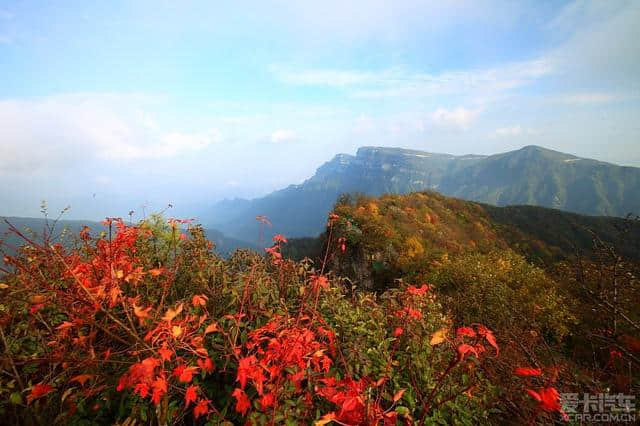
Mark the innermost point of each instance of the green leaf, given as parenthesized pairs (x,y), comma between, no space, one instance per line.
(16,398)
(403,411)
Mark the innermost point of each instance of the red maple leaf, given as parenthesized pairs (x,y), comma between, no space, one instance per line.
(464,350)
(488,335)
(527,371)
(165,354)
(415,291)
(201,408)
(142,389)
(267,400)
(159,387)
(465,331)
(199,300)
(549,399)
(246,367)
(191,394)
(242,404)
(206,364)
(38,391)
(187,374)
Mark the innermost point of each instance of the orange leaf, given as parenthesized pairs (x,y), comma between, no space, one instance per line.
(176,331)
(199,300)
(211,328)
(64,325)
(398,395)
(82,378)
(327,418)
(155,272)
(439,336)
(469,391)
(141,313)
(171,314)
(39,298)
(114,293)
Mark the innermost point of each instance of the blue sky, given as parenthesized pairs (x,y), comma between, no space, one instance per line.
(110,105)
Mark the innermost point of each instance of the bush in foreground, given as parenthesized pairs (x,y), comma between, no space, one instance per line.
(145,324)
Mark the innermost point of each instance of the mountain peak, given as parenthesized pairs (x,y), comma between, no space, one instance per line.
(530,175)
(536,149)
(367,151)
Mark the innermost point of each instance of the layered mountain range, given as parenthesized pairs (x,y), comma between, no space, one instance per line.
(529,176)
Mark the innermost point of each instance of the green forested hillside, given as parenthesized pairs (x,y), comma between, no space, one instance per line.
(448,225)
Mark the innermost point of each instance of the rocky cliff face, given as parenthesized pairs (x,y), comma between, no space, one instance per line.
(531,175)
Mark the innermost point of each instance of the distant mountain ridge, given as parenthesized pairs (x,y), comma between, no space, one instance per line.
(529,176)
(223,245)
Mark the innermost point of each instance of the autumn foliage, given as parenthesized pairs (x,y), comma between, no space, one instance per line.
(145,323)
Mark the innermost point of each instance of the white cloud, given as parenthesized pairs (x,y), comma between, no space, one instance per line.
(103,180)
(323,77)
(458,117)
(586,98)
(60,131)
(602,46)
(282,135)
(364,124)
(160,146)
(397,82)
(514,131)
(509,131)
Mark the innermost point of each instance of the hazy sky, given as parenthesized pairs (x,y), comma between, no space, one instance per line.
(106,105)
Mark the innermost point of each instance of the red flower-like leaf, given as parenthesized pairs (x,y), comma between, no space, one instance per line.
(465,331)
(279,239)
(527,371)
(191,394)
(489,337)
(464,350)
(38,391)
(242,402)
(201,408)
(206,364)
(549,399)
(415,291)
(267,400)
